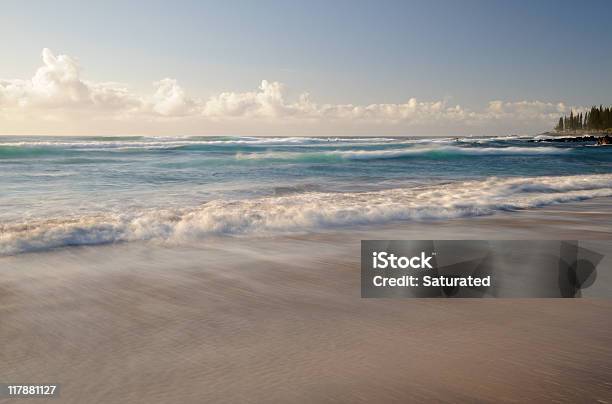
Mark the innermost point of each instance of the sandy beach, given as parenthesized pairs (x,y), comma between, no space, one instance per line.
(280,319)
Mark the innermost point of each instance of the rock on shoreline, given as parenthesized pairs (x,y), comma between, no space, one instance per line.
(604,140)
(599,140)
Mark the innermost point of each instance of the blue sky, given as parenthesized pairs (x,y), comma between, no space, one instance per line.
(465,53)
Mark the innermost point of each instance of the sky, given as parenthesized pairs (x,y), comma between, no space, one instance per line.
(300,67)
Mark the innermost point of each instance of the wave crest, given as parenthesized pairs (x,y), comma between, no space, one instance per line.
(429,151)
(307,211)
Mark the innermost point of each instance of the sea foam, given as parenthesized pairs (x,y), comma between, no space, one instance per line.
(415,151)
(173,142)
(308,211)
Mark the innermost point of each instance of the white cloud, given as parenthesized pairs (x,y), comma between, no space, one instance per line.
(170,99)
(58,93)
(526,110)
(57,84)
(267,102)
(270,102)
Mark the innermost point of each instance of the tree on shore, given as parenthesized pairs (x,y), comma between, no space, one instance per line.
(597,118)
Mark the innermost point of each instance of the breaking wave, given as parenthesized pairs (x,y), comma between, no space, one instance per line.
(174,142)
(306,211)
(428,151)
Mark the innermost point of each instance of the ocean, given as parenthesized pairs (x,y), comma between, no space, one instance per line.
(67,191)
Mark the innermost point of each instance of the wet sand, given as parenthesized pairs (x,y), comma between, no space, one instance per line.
(280,319)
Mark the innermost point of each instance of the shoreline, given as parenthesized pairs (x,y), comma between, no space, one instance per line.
(575,133)
(281,319)
(308,213)
(599,138)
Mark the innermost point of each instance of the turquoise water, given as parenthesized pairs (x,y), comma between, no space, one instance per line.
(86,190)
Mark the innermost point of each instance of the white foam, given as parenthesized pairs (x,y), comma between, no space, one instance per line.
(305,212)
(467,151)
(406,152)
(161,143)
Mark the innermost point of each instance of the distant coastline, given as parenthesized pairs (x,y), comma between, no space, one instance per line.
(578,132)
(599,138)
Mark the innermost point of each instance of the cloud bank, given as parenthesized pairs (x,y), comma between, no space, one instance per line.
(59,99)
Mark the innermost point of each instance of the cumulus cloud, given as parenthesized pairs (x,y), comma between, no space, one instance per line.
(267,102)
(411,111)
(58,84)
(170,99)
(58,92)
(526,110)
(270,102)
